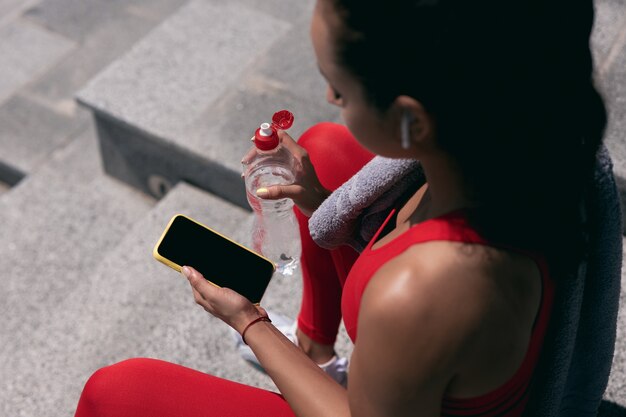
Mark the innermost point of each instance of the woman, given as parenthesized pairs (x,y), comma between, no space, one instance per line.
(448,304)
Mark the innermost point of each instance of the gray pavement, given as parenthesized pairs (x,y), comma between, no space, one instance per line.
(84,240)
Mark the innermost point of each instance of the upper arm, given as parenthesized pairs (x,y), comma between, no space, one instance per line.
(412,328)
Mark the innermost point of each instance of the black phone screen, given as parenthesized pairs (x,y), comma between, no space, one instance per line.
(218,259)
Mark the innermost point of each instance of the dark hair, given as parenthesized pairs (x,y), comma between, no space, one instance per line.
(510,86)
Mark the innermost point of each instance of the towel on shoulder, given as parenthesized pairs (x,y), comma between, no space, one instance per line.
(353,213)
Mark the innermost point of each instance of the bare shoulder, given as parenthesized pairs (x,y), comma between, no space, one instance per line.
(446,284)
(439,305)
(414,321)
(465,278)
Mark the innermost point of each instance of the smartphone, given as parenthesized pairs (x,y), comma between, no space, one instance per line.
(220,260)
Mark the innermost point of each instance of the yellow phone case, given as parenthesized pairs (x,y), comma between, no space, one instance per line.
(178,268)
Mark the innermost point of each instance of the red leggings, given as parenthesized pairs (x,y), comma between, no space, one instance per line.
(149,387)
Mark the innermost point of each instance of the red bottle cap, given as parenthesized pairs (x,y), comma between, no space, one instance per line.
(282,119)
(266,136)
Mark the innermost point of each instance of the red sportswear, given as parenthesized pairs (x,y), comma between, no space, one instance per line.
(510,398)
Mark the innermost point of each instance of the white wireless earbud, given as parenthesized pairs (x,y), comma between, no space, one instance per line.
(405,133)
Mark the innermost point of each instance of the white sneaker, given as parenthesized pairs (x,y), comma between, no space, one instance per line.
(336,367)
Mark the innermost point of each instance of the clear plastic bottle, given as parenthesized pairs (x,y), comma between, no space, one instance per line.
(275,232)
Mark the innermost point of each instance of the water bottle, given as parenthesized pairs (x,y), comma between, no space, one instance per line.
(275,232)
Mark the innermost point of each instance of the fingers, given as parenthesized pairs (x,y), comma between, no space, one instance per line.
(205,294)
(195,278)
(223,303)
(249,155)
(198,298)
(277,192)
(289,143)
(201,288)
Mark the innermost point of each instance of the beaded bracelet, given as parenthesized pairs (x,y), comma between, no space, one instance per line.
(258,319)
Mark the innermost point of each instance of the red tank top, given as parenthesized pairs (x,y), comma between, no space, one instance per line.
(509,399)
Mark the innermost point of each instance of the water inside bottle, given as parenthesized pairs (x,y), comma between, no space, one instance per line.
(280,240)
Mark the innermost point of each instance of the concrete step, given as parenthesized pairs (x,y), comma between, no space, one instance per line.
(609,20)
(616,390)
(57,225)
(132,305)
(101,30)
(4,187)
(609,47)
(28,132)
(27,51)
(11,9)
(50,49)
(183,103)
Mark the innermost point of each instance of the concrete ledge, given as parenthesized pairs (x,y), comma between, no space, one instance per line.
(147,103)
(166,81)
(155,165)
(10,175)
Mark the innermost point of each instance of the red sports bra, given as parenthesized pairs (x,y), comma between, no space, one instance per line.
(509,399)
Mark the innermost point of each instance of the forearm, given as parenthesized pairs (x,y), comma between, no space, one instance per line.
(307,388)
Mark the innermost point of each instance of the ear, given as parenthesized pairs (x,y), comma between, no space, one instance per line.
(421,123)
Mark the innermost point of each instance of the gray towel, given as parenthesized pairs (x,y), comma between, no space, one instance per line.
(353,213)
(574,367)
(573,370)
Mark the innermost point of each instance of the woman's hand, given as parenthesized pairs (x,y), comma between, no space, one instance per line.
(231,307)
(306,192)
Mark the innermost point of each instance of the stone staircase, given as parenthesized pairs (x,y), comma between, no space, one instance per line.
(171,91)
(181,104)
(54,234)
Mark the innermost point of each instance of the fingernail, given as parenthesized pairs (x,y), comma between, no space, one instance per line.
(186,271)
(262,192)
